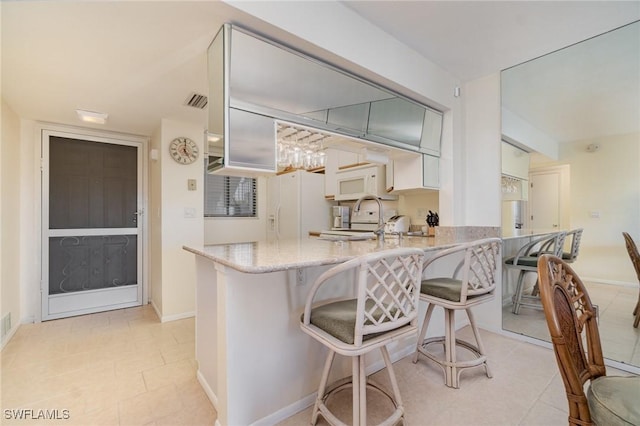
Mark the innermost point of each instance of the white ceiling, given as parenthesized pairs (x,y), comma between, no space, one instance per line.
(138,61)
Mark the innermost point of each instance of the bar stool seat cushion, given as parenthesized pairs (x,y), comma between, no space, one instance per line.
(443,288)
(614,400)
(565,255)
(339,319)
(530,261)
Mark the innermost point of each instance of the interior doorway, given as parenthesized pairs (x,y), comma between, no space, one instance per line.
(91,224)
(549,193)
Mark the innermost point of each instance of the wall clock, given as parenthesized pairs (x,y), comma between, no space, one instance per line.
(183,150)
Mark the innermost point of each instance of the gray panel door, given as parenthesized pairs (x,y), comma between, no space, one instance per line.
(90,225)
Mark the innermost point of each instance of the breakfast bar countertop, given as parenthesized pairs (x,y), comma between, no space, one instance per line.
(258,257)
(526,232)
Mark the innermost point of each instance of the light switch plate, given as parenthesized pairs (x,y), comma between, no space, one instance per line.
(191,184)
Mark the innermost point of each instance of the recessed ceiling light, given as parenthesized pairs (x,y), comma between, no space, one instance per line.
(92,116)
(211,137)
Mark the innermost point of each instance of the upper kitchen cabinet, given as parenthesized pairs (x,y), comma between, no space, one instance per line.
(268,81)
(416,171)
(396,121)
(515,162)
(242,142)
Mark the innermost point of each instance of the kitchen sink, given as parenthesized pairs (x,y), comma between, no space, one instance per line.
(347,235)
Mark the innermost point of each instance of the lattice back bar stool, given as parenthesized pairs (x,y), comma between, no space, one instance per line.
(526,260)
(573,239)
(384,310)
(473,282)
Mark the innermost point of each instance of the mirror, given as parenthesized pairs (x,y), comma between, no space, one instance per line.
(267,80)
(577,112)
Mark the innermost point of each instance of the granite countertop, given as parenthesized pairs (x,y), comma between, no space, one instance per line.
(269,256)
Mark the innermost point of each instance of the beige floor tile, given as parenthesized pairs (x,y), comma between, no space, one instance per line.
(138,363)
(126,368)
(179,352)
(175,373)
(150,406)
(542,414)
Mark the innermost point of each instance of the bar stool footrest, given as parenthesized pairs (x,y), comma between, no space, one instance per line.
(346,383)
(478,361)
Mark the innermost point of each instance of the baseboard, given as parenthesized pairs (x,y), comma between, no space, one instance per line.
(286,412)
(175,317)
(157,311)
(301,404)
(207,390)
(8,336)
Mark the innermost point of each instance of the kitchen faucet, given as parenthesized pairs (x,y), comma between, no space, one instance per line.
(356,208)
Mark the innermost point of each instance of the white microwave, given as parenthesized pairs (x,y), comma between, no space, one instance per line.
(356,182)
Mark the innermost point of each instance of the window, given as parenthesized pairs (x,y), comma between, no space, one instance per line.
(229,196)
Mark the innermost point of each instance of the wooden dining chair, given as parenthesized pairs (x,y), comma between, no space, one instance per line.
(571,320)
(632,249)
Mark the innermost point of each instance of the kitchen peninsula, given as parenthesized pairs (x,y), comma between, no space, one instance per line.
(254,363)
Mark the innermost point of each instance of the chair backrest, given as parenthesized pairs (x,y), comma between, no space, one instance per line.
(575,235)
(478,267)
(388,289)
(632,249)
(552,244)
(571,319)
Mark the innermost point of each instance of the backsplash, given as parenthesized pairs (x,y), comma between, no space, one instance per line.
(466,232)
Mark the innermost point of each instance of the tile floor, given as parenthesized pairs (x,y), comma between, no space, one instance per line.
(620,341)
(121,367)
(126,368)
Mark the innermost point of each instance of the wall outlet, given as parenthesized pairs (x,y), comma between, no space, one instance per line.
(594,214)
(189,212)
(300,276)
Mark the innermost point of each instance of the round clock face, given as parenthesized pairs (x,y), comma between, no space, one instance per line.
(183,150)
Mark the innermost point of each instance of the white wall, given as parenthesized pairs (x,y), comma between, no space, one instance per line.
(605,181)
(482,149)
(481,171)
(30,222)
(10,219)
(155,222)
(520,132)
(413,204)
(177,265)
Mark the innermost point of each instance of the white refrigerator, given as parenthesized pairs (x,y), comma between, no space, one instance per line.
(296,205)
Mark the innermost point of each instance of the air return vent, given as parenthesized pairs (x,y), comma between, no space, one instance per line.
(196,100)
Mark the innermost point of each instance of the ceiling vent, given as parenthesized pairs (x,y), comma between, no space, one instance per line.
(196,100)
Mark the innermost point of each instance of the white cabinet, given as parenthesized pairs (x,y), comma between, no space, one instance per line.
(515,162)
(419,171)
(431,132)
